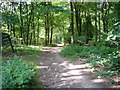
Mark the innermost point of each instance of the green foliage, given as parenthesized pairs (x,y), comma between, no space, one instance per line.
(109,72)
(112,81)
(74,51)
(99,56)
(80,39)
(16,73)
(27,50)
(71,59)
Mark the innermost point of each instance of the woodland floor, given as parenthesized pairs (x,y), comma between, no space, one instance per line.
(59,72)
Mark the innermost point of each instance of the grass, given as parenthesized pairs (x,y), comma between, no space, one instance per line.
(71,59)
(27,50)
(30,54)
(102,57)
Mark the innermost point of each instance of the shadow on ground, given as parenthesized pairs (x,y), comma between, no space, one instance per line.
(58,72)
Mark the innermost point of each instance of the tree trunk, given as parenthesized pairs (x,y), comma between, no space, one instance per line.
(14,31)
(104,17)
(51,34)
(76,15)
(72,23)
(80,23)
(28,25)
(99,27)
(46,42)
(31,39)
(33,25)
(47,27)
(21,23)
(38,31)
(78,19)
(51,28)
(96,30)
(87,29)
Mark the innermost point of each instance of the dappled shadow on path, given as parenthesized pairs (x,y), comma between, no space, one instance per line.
(58,72)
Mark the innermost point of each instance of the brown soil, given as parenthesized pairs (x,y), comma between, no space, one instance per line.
(59,72)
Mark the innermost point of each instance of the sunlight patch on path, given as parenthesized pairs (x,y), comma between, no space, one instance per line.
(60,73)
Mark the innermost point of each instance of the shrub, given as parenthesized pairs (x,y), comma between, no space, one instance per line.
(16,73)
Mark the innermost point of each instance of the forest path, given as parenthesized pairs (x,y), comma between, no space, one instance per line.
(58,72)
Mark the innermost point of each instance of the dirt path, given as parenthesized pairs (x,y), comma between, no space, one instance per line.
(58,72)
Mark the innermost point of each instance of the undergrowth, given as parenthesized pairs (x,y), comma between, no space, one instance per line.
(99,56)
(16,73)
(23,60)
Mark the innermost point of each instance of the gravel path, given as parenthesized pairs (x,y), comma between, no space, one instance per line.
(58,72)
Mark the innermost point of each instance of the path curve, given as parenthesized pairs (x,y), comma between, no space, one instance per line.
(58,72)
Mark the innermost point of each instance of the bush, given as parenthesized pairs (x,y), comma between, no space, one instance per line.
(16,73)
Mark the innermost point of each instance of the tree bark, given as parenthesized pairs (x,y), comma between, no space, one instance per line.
(28,25)
(46,31)
(51,34)
(78,19)
(21,23)
(72,23)
(99,27)
(96,29)
(38,30)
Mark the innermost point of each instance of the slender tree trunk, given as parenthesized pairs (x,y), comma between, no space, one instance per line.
(32,24)
(21,23)
(99,27)
(8,27)
(31,39)
(80,23)
(51,28)
(64,36)
(51,34)
(13,27)
(14,31)
(96,30)
(103,19)
(87,29)
(47,26)
(28,25)
(46,31)
(72,23)
(78,19)
(38,31)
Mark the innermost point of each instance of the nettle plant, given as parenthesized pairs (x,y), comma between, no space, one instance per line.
(16,73)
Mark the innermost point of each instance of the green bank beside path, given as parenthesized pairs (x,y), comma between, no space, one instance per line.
(19,69)
(103,60)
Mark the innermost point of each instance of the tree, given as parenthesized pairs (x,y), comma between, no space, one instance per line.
(72,23)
